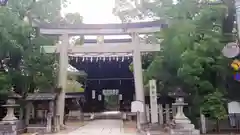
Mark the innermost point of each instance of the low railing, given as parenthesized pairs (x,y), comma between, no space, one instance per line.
(230,124)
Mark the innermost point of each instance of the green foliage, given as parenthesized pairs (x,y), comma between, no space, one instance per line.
(190,54)
(27,68)
(131,67)
(213,105)
(4,83)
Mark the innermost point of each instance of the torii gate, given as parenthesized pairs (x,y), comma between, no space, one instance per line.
(135,47)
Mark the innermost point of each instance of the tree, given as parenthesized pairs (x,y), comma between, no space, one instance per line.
(13,35)
(27,68)
(190,55)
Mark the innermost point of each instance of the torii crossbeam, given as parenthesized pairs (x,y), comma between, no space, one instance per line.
(103,48)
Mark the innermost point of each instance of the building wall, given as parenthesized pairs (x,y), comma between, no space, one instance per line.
(105,75)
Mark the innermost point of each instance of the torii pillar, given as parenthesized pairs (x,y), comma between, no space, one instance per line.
(62,77)
(138,75)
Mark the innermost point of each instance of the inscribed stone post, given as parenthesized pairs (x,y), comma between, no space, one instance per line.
(153,101)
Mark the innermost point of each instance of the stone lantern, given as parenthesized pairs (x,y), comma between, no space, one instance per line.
(11,105)
(182,123)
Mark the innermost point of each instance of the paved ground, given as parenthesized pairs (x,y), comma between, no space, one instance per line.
(101,127)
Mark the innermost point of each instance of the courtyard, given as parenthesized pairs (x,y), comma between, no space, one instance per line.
(101,127)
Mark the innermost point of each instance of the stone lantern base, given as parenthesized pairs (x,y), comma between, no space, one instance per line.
(184,132)
(183,126)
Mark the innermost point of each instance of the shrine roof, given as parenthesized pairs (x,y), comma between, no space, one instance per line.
(73,71)
(41,96)
(74,95)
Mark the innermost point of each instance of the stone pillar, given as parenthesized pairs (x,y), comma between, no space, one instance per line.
(27,115)
(160,112)
(51,108)
(153,101)
(138,76)
(50,116)
(174,110)
(148,113)
(167,111)
(63,65)
(203,124)
(56,121)
(49,123)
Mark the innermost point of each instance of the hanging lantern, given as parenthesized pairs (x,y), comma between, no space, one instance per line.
(231,50)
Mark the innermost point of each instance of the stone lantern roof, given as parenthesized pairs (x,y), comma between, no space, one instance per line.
(12,95)
(177,93)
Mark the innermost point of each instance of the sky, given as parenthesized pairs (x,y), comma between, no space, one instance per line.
(94,11)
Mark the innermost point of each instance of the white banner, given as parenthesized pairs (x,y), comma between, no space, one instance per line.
(153,101)
(107,92)
(100,97)
(120,96)
(93,94)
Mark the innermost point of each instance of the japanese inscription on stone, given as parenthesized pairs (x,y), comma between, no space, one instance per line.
(153,101)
